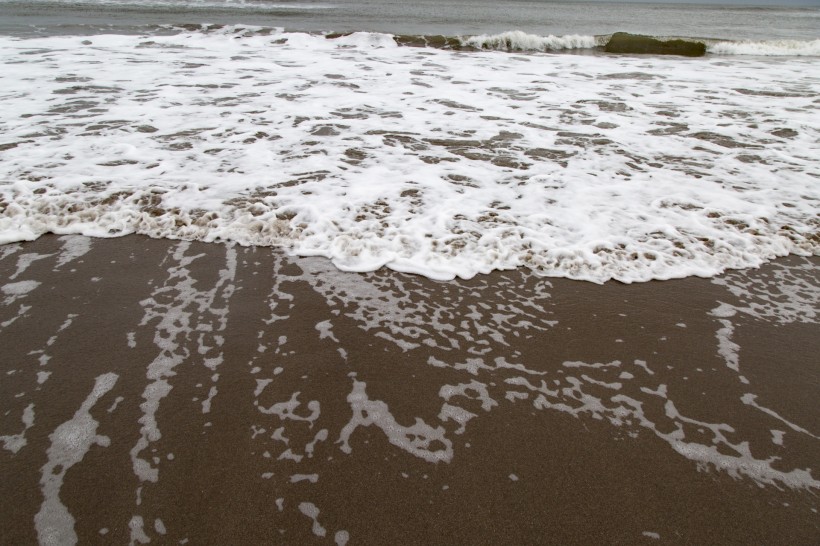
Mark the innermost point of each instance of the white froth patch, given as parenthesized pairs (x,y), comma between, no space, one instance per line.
(479,392)
(25,261)
(325,329)
(312,478)
(724,310)
(728,349)
(389,309)
(320,436)
(182,315)
(419,439)
(287,410)
(309,509)
(593,365)
(73,247)
(651,534)
(206,404)
(512,396)
(341,537)
(598,399)
(7,250)
(69,444)
(137,526)
(789,294)
(457,414)
(449,165)
(16,442)
(260,386)
(116,404)
(751,400)
(19,289)
(20,312)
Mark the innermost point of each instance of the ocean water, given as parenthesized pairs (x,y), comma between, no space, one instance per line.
(441,138)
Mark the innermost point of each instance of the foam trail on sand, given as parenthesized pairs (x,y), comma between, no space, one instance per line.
(16,442)
(415,439)
(181,314)
(309,509)
(73,247)
(15,290)
(69,444)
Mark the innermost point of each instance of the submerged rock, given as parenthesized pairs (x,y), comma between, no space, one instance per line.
(623,42)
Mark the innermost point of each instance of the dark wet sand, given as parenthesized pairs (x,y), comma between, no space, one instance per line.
(590,456)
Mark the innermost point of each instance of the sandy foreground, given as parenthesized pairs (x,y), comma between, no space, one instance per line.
(172,392)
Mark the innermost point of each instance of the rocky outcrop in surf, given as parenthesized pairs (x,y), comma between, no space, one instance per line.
(623,42)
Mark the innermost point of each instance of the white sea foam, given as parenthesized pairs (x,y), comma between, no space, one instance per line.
(423,160)
(287,410)
(516,40)
(184,317)
(69,444)
(296,478)
(8,250)
(309,509)
(73,247)
(751,400)
(18,289)
(769,48)
(16,442)
(788,294)
(341,537)
(419,439)
(24,261)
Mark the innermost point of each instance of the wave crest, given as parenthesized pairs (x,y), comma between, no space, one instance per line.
(516,40)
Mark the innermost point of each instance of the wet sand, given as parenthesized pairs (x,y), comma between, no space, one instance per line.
(173,392)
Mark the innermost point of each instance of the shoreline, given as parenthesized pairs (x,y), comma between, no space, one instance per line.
(169,391)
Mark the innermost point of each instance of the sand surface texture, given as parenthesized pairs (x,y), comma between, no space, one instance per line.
(189,393)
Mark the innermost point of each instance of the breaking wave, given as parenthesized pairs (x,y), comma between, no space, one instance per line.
(769,48)
(521,41)
(518,41)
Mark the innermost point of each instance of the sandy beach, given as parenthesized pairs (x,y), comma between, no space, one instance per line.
(188,393)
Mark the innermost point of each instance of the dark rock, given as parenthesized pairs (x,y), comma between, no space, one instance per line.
(623,42)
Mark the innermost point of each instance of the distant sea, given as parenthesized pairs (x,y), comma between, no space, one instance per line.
(445,138)
(419,17)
